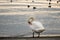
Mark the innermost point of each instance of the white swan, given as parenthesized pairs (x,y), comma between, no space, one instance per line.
(36,26)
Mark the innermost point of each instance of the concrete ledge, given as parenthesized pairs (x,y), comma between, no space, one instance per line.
(42,36)
(26,37)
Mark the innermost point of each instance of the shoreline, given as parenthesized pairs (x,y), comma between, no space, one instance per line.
(47,35)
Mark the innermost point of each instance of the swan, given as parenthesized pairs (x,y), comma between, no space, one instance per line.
(36,26)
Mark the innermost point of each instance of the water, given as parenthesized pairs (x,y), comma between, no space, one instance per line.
(27,9)
(17,24)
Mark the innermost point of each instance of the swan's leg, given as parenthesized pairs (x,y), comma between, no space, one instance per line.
(38,34)
(33,34)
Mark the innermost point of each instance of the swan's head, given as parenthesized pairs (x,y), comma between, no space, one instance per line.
(31,19)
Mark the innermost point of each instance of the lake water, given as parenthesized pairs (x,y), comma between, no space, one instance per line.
(11,25)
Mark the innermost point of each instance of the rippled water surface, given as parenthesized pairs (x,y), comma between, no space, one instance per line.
(17,24)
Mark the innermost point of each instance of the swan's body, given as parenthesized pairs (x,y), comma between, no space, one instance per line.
(36,26)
